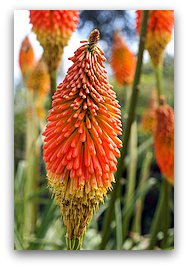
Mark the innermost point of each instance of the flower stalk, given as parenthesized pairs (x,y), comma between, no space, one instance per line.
(74,244)
(158,74)
(166,214)
(32,167)
(53,82)
(155,227)
(131,180)
(140,201)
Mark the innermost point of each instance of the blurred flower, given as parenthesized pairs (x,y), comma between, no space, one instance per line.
(27,59)
(39,80)
(148,120)
(81,138)
(53,29)
(40,108)
(36,78)
(164,140)
(123,61)
(159,32)
(39,84)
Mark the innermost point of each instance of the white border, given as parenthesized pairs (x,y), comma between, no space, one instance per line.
(98,258)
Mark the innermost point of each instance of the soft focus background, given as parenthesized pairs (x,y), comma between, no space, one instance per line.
(88,21)
(50,232)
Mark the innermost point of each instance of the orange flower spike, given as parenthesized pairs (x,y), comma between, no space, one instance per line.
(26,58)
(81,138)
(123,61)
(164,140)
(53,29)
(159,32)
(148,120)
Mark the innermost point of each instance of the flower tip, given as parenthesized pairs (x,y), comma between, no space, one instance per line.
(94,36)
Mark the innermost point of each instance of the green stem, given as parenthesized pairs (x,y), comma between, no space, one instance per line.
(132,167)
(53,82)
(32,167)
(139,203)
(157,217)
(109,215)
(158,74)
(128,95)
(74,244)
(118,218)
(166,213)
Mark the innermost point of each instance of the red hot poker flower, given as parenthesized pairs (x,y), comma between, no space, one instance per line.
(53,29)
(159,32)
(164,140)
(81,138)
(123,61)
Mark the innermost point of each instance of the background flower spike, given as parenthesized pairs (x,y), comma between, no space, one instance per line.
(53,28)
(159,32)
(123,61)
(164,140)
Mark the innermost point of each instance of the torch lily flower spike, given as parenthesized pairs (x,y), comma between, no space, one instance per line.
(164,140)
(81,139)
(123,61)
(53,28)
(159,32)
